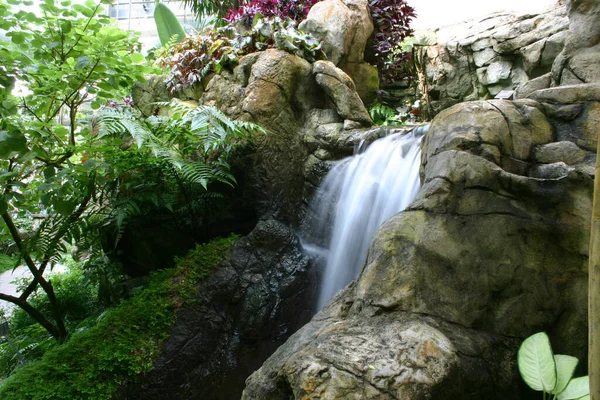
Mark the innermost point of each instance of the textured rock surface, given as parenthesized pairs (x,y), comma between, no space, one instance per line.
(239,316)
(340,89)
(344,26)
(280,92)
(493,249)
(579,62)
(477,59)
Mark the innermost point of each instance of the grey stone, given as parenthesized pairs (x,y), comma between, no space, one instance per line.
(484,56)
(344,27)
(566,152)
(579,61)
(341,91)
(541,82)
(239,315)
(497,71)
(569,94)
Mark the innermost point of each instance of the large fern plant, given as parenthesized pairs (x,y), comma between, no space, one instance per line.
(169,163)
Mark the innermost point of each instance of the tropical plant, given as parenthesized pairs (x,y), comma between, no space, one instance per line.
(63,58)
(208,7)
(167,24)
(167,162)
(119,344)
(196,57)
(550,373)
(391,19)
(78,301)
(382,114)
(295,10)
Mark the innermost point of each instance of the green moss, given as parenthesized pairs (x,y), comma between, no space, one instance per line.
(122,344)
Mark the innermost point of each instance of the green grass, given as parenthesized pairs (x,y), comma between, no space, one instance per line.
(122,344)
(7,262)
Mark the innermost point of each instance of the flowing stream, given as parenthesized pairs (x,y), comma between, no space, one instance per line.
(355,198)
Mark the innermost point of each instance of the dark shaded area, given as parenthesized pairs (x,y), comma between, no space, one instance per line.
(261,294)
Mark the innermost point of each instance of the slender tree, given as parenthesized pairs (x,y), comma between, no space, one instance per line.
(62,57)
(594,290)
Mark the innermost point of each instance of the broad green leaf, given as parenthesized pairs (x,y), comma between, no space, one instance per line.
(586,397)
(536,363)
(137,57)
(577,388)
(167,24)
(565,366)
(17,37)
(11,143)
(64,207)
(66,26)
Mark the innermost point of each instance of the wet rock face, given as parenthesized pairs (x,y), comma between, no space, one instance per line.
(493,249)
(256,299)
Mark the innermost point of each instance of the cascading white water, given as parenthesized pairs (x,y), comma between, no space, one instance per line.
(356,197)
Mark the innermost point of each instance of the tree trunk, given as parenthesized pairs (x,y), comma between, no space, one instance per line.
(594,289)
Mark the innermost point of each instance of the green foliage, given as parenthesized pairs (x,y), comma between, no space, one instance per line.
(63,56)
(170,163)
(167,24)
(199,263)
(207,7)
(382,114)
(8,262)
(196,57)
(122,343)
(552,374)
(78,300)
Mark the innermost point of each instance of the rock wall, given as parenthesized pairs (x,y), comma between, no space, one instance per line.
(477,59)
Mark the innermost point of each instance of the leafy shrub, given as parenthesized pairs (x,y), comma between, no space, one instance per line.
(295,10)
(382,114)
(121,344)
(391,19)
(196,57)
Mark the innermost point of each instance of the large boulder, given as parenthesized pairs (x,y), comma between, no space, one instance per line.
(280,92)
(493,249)
(341,91)
(344,27)
(273,89)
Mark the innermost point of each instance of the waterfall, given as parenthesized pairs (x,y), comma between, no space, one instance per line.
(355,198)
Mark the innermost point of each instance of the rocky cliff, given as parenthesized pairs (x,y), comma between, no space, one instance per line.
(477,59)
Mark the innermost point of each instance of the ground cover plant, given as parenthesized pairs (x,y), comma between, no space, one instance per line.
(122,342)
